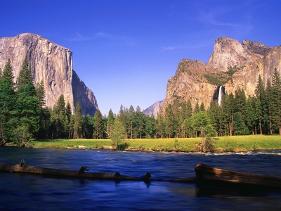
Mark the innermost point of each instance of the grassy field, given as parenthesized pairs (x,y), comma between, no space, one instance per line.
(221,144)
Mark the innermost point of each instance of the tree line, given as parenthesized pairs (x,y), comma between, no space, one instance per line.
(24,116)
(21,106)
(237,114)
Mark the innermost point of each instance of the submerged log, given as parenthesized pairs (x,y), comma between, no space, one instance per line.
(80,174)
(223,179)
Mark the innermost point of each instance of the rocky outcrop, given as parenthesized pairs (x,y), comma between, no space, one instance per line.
(250,59)
(153,110)
(50,64)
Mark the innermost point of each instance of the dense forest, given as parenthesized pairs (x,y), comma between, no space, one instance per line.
(23,115)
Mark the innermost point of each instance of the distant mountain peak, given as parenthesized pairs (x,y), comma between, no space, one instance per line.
(154,109)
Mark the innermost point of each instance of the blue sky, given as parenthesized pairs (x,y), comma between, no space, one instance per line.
(126,50)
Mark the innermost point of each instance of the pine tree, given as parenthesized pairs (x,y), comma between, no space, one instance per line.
(60,119)
(77,122)
(131,122)
(110,122)
(123,117)
(139,123)
(240,127)
(201,124)
(217,119)
(45,116)
(179,111)
(239,112)
(239,101)
(263,105)
(269,106)
(40,92)
(170,122)
(118,133)
(251,115)
(276,101)
(28,107)
(161,126)
(98,125)
(8,118)
(187,129)
(228,111)
(87,127)
(150,127)
(69,126)
(45,124)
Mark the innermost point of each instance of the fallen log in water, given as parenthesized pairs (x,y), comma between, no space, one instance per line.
(83,174)
(223,179)
(206,176)
(80,174)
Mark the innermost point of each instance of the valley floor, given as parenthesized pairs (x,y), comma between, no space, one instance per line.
(221,144)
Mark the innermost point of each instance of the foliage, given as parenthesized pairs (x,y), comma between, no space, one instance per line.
(24,117)
(205,145)
(77,122)
(240,127)
(8,118)
(44,113)
(201,124)
(275,101)
(23,136)
(27,106)
(110,122)
(98,127)
(118,133)
(59,119)
(87,126)
(221,78)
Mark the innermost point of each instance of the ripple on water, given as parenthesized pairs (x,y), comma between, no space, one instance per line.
(31,192)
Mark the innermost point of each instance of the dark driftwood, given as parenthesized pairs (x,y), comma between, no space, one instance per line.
(83,174)
(26,169)
(224,179)
(206,176)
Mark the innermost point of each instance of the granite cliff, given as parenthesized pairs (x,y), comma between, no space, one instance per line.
(232,64)
(50,64)
(153,110)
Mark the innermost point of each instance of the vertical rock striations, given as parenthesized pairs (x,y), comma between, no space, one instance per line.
(50,64)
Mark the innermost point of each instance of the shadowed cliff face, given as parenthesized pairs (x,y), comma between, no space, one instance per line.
(251,59)
(51,64)
(83,95)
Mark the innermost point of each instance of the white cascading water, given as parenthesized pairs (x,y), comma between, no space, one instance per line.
(220,95)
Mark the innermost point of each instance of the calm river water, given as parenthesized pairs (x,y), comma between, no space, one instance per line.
(41,193)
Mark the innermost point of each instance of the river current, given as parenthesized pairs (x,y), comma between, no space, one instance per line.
(26,192)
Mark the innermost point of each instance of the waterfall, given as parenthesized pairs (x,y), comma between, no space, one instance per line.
(220,95)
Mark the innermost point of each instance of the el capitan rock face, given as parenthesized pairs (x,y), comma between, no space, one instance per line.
(251,59)
(51,64)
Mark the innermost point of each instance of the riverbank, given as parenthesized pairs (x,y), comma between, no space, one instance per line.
(221,144)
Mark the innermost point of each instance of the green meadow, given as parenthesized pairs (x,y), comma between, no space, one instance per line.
(221,144)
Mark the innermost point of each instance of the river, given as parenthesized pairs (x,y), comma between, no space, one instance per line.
(28,192)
